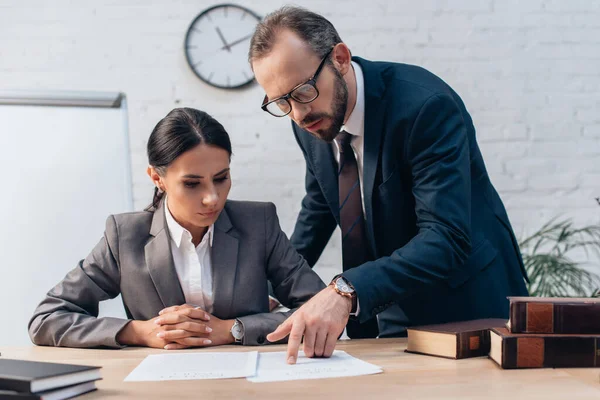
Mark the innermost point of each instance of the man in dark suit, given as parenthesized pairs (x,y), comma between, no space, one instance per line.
(391,157)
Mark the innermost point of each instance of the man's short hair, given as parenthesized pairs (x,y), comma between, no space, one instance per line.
(312,28)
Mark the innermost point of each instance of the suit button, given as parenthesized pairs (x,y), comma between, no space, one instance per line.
(260,339)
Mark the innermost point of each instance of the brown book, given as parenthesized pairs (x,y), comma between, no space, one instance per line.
(554,315)
(523,350)
(454,339)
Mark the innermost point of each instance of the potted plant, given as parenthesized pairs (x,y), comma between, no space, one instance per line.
(551,269)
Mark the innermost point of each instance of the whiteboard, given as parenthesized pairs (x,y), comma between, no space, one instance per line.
(66,167)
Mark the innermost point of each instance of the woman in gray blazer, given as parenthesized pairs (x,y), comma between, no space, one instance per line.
(192,269)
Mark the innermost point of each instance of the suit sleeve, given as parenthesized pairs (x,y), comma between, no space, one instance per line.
(293,281)
(68,315)
(438,153)
(315,223)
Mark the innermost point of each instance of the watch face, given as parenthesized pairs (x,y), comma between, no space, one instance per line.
(342,286)
(216,45)
(237,330)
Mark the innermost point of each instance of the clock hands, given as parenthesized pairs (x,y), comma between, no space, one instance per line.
(226,46)
(230,45)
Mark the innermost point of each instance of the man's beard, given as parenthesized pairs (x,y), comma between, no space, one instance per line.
(339,105)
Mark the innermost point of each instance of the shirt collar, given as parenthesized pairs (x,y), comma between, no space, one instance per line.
(177,231)
(355,125)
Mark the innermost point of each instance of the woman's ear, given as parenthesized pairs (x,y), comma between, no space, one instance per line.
(155,178)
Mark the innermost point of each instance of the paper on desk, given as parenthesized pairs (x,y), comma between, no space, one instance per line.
(272,367)
(189,366)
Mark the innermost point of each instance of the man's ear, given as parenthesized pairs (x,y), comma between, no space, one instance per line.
(341,58)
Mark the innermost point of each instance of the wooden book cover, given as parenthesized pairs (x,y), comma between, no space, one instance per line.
(522,350)
(454,340)
(558,315)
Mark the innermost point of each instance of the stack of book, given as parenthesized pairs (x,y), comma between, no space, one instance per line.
(541,333)
(22,380)
(548,333)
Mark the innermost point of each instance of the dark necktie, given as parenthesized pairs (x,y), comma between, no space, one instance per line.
(352,224)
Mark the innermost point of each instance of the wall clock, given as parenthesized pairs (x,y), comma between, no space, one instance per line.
(216,45)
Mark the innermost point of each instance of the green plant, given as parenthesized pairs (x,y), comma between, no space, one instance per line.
(552,273)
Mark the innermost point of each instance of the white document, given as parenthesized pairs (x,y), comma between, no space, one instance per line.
(190,366)
(272,367)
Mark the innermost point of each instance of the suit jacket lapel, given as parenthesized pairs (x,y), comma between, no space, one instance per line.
(374,115)
(326,172)
(159,261)
(224,258)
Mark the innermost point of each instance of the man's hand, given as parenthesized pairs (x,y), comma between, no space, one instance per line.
(320,320)
(192,327)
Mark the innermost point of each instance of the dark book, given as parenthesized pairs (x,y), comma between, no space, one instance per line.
(453,340)
(554,315)
(55,394)
(527,350)
(35,376)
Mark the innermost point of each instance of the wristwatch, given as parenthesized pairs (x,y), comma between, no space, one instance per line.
(237,331)
(344,288)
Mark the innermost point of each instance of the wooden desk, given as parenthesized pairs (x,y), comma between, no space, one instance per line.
(406,376)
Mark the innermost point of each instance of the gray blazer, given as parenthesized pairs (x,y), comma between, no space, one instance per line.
(134,259)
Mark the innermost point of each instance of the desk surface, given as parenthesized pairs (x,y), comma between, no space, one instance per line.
(406,376)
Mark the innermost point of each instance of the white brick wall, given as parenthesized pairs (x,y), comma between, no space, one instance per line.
(529,72)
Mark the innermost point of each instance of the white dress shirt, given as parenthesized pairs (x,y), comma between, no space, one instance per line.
(193,264)
(355,126)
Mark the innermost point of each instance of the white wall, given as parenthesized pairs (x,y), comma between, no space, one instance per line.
(529,72)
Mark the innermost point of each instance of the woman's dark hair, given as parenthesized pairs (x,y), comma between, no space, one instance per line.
(181,130)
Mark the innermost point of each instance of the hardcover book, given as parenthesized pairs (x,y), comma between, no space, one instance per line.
(453,340)
(554,315)
(522,350)
(54,394)
(35,376)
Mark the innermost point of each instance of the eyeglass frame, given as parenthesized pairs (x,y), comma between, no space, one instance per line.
(312,81)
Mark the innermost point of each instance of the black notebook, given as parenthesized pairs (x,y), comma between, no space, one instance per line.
(34,376)
(55,394)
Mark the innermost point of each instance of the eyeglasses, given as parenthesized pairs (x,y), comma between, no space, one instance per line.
(303,93)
